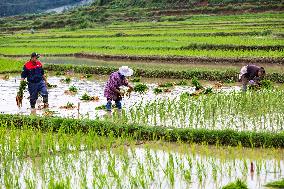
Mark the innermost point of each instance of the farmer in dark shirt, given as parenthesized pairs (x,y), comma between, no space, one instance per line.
(37,82)
(251,74)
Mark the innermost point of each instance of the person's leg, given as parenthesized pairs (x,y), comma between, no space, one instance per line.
(108,105)
(33,90)
(44,93)
(244,83)
(118,104)
(119,107)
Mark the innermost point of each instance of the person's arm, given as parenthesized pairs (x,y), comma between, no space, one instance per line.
(24,74)
(113,85)
(257,80)
(126,83)
(44,78)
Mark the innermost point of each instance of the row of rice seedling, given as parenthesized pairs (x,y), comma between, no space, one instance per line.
(256,111)
(9,66)
(144,52)
(204,74)
(150,41)
(95,33)
(35,156)
(120,126)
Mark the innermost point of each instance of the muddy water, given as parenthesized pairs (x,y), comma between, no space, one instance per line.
(57,97)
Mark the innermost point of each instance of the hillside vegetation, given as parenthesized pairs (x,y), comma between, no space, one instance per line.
(14,7)
(105,12)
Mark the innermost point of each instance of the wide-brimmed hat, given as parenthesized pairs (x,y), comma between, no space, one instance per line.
(125,71)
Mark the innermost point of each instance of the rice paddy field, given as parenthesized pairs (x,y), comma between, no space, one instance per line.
(168,134)
(247,35)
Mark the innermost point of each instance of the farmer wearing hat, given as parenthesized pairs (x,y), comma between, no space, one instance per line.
(37,82)
(251,74)
(116,80)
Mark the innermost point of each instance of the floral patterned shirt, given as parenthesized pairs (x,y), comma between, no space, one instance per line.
(114,82)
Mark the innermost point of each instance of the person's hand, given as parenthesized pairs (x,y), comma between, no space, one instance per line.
(251,82)
(130,89)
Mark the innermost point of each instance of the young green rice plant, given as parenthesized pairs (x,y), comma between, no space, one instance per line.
(168,84)
(20,93)
(73,89)
(66,80)
(208,90)
(239,184)
(51,86)
(88,75)
(140,88)
(69,105)
(196,84)
(87,97)
(276,184)
(158,90)
(135,80)
(182,83)
(58,73)
(266,84)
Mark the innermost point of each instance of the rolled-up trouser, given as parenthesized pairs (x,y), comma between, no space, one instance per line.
(245,82)
(117,104)
(34,89)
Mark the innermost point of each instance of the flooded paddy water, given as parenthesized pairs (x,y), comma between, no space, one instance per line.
(93,87)
(149,165)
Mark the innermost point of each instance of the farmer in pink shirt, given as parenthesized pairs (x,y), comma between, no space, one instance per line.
(116,80)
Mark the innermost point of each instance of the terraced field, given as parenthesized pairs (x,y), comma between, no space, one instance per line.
(171,134)
(250,36)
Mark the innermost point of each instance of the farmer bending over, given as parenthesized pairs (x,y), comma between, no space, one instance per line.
(251,74)
(37,82)
(112,92)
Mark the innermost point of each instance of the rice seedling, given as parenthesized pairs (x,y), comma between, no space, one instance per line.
(140,88)
(239,184)
(73,89)
(50,86)
(276,184)
(136,80)
(20,93)
(196,84)
(69,105)
(168,84)
(66,80)
(182,83)
(158,90)
(87,97)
